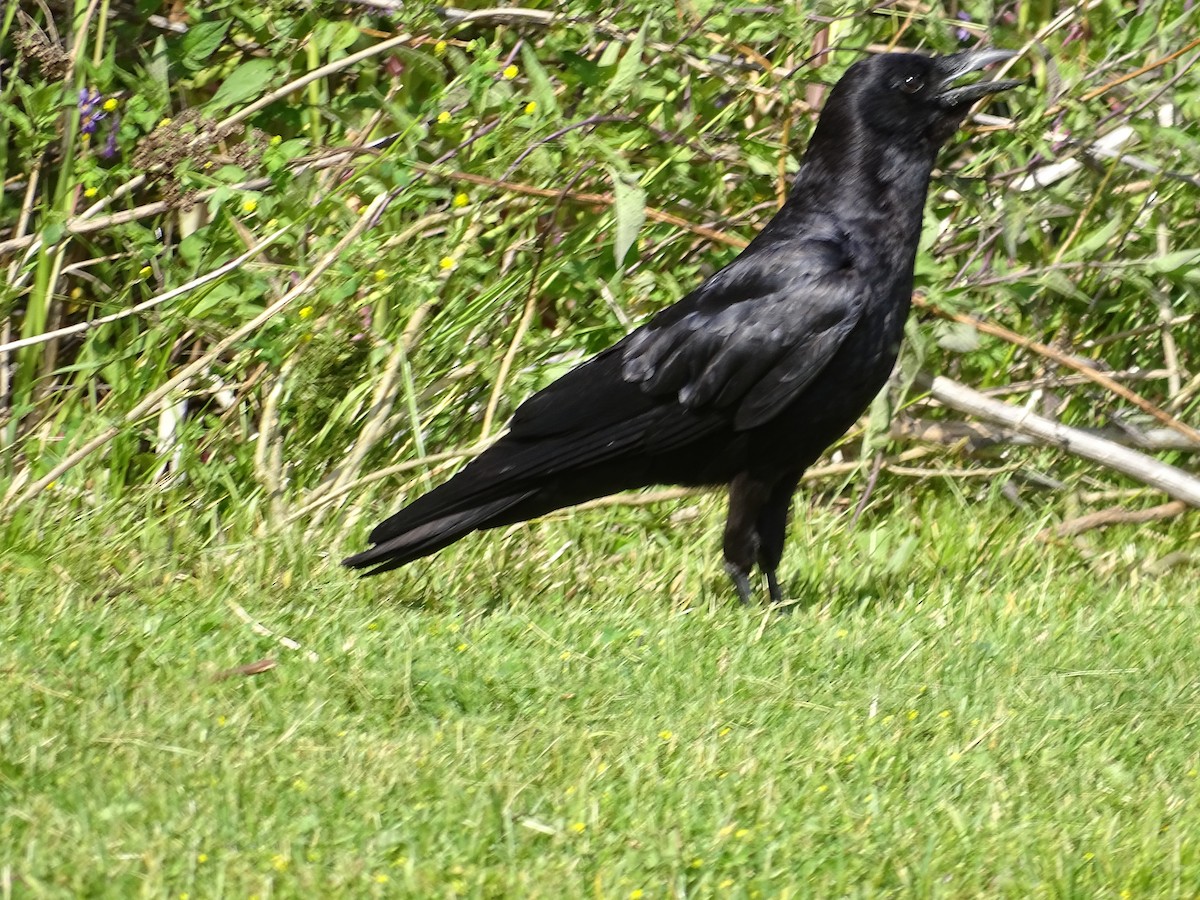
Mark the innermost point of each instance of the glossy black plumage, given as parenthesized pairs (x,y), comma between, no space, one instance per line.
(747,379)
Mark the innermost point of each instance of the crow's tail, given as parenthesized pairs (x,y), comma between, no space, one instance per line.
(417,531)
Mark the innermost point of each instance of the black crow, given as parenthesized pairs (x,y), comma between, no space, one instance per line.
(747,379)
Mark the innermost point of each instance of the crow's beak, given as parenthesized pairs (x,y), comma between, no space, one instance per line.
(960,64)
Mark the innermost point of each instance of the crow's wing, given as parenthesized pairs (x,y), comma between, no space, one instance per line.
(737,349)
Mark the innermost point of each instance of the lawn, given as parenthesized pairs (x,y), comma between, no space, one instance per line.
(578,708)
(272,267)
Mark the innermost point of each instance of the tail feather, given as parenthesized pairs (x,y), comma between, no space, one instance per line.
(406,542)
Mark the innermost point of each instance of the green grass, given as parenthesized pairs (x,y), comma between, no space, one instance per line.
(577,708)
(574,707)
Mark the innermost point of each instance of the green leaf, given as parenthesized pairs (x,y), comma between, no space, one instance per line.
(244,82)
(202,40)
(541,89)
(958,337)
(629,208)
(630,66)
(1170,263)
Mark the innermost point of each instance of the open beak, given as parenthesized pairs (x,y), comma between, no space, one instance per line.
(960,64)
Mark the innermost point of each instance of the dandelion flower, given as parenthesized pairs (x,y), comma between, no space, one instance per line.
(511,72)
(90,192)
(201,857)
(447,263)
(460,200)
(249,205)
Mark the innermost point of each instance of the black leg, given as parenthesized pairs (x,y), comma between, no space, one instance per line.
(746,498)
(741,582)
(771,528)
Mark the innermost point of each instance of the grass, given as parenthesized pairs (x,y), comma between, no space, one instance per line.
(576,708)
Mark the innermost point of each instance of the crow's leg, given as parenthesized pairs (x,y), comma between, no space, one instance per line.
(747,496)
(771,528)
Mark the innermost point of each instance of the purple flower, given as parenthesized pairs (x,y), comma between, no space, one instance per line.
(90,110)
(110,144)
(961,33)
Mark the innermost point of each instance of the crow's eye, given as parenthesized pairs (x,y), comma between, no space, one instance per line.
(912,84)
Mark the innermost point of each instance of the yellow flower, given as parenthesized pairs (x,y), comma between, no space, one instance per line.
(742,833)
(447,263)
(842,632)
(724,731)
(90,192)
(944,714)
(697,863)
(460,200)
(440,47)
(726,884)
(530,108)
(145,272)
(665,735)
(461,648)
(381,878)
(110,104)
(221,720)
(637,894)
(300,785)
(565,655)
(201,857)
(511,72)
(306,313)
(249,205)
(163,123)
(912,714)
(822,788)
(579,827)
(276,140)
(279,862)
(443,117)
(381,274)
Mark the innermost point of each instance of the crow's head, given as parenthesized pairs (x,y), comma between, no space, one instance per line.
(910,96)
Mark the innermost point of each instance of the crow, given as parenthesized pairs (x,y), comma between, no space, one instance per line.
(747,379)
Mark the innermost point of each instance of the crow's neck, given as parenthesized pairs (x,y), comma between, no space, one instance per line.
(859,172)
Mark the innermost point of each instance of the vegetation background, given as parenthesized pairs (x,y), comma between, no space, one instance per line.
(272,267)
